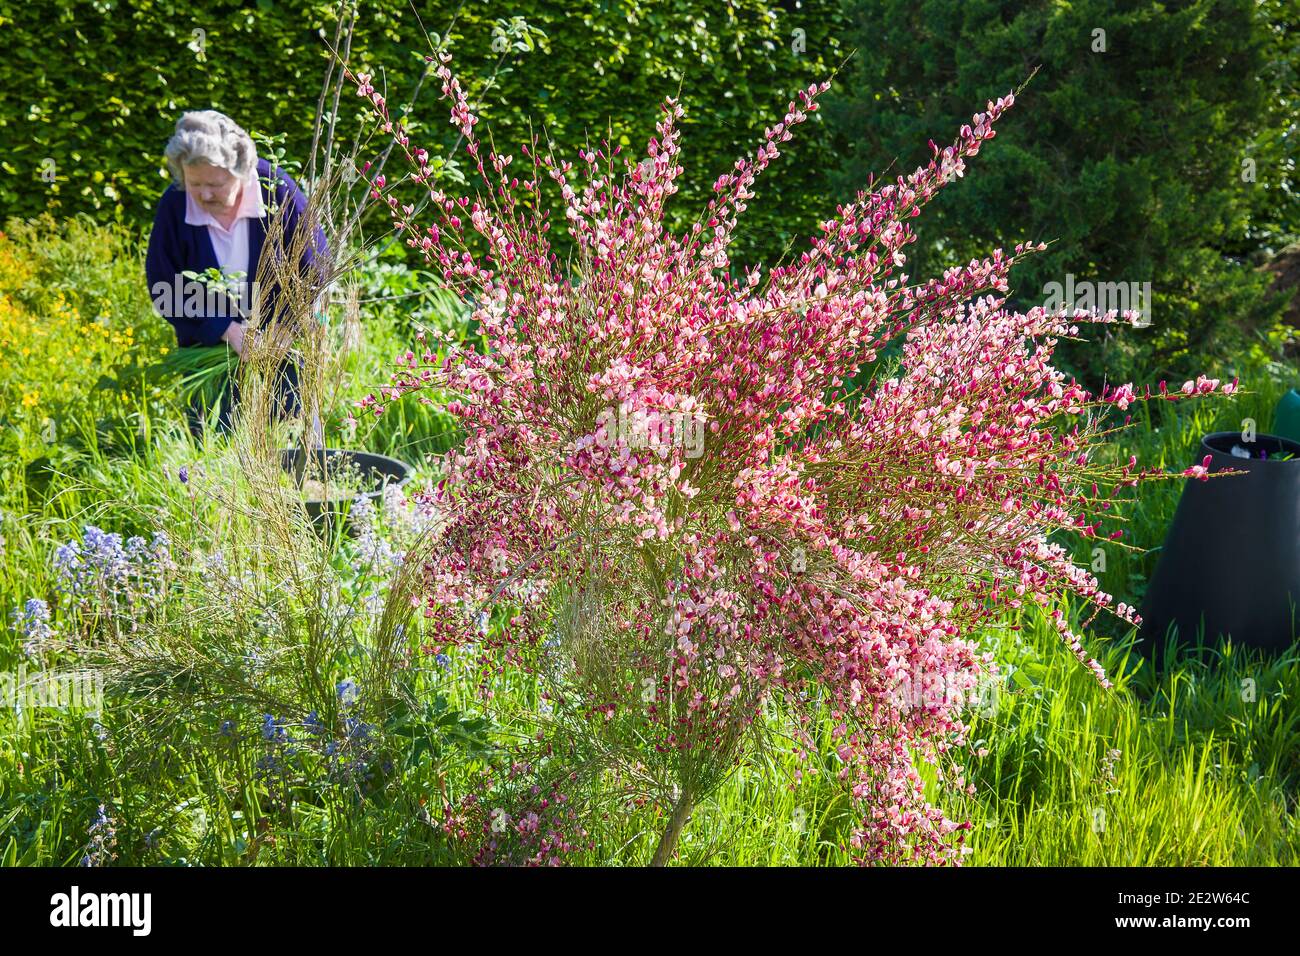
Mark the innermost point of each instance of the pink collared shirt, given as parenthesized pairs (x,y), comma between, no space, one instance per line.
(229,245)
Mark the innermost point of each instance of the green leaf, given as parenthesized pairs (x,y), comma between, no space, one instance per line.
(1022,679)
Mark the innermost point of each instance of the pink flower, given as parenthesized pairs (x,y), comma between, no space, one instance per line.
(1201,471)
(1123,396)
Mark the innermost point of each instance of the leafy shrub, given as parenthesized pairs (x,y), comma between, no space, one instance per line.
(1152,150)
(78,335)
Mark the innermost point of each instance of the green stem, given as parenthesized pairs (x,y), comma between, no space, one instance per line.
(653,567)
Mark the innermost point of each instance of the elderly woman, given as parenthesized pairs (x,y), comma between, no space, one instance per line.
(214,218)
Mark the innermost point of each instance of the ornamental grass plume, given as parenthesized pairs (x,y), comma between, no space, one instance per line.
(843,530)
(260,610)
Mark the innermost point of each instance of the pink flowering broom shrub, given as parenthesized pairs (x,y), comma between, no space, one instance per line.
(687,490)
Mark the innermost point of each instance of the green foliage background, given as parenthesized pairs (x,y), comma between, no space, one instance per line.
(1129,160)
(97,87)
(1129,157)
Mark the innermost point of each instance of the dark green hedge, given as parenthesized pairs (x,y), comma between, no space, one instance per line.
(1129,154)
(1130,159)
(97,86)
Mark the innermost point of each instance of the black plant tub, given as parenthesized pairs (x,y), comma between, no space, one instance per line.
(377,471)
(1231,559)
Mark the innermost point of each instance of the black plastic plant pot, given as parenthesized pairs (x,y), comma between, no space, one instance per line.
(1230,565)
(377,472)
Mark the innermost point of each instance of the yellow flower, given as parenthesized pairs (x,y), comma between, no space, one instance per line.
(31,399)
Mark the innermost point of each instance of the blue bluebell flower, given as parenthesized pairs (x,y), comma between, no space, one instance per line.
(102,842)
(269,764)
(274,730)
(68,563)
(161,547)
(33,621)
(348,692)
(356,730)
(33,624)
(104,551)
(102,567)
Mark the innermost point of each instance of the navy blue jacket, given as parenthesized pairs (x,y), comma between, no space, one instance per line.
(175,246)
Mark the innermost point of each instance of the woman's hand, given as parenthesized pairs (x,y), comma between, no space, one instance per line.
(239,338)
(234,337)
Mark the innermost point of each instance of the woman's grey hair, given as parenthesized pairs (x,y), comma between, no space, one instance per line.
(207,136)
